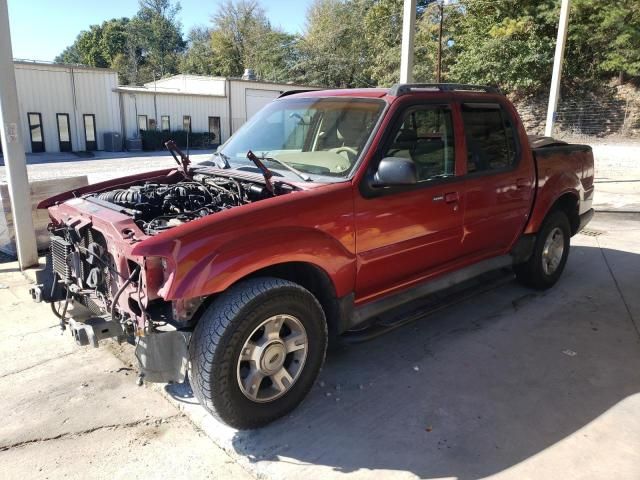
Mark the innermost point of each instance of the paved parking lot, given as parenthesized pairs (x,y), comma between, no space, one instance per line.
(512,384)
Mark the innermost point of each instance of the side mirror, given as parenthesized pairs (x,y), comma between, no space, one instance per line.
(396,171)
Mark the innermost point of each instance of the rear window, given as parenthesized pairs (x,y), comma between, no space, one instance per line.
(490,138)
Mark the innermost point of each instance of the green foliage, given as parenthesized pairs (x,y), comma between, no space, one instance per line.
(98,46)
(155,139)
(383,36)
(332,50)
(198,59)
(356,43)
(242,37)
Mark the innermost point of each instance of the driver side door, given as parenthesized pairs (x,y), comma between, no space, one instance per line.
(404,234)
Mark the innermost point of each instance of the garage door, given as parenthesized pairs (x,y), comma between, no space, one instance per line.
(256,99)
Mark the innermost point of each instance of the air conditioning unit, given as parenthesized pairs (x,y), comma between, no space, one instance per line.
(112,142)
(134,144)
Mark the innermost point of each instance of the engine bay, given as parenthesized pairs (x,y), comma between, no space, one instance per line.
(156,207)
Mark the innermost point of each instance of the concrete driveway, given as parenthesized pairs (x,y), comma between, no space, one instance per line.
(512,384)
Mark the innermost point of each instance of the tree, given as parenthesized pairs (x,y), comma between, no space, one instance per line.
(69,55)
(198,58)
(156,38)
(332,51)
(498,44)
(242,37)
(383,35)
(97,46)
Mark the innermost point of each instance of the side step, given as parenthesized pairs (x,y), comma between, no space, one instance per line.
(429,304)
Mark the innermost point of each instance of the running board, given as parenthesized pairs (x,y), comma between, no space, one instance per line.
(429,304)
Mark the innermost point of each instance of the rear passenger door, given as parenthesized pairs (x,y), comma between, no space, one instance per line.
(498,186)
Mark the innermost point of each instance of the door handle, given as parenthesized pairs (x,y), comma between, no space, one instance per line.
(451,197)
(523,183)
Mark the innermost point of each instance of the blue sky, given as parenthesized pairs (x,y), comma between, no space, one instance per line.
(41,29)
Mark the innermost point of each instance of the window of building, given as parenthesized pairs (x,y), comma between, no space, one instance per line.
(186,123)
(165,123)
(426,137)
(35,129)
(142,122)
(89,121)
(491,143)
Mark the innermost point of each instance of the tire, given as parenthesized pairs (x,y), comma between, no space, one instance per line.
(537,272)
(260,319)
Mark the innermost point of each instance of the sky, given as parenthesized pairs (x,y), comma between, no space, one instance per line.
(41,29)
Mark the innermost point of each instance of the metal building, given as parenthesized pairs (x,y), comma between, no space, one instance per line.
(216,105)
(65,108)
(71,108)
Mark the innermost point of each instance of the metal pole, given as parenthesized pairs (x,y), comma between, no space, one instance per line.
(155,105)
(408,30)
(557,67)
(15,158)
(439,72)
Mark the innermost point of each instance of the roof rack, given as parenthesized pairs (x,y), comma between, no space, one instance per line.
(403,88)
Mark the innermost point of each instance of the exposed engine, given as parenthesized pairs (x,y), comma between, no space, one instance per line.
(156,207)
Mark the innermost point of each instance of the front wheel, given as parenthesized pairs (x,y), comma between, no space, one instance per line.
(544,267)
(257,351)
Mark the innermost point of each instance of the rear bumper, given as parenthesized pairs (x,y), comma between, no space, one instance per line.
(584,219)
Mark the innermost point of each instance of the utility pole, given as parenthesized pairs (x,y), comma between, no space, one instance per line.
(408,30)
(557,67)
(15,159)
(439,72)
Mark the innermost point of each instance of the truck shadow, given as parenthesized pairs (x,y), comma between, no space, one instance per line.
(473,390)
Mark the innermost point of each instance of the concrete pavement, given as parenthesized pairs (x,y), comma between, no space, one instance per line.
(512,384)
(70,412)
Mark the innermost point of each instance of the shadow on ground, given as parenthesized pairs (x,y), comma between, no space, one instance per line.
(469,391)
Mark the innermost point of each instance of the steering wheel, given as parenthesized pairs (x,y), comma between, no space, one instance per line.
(351,152)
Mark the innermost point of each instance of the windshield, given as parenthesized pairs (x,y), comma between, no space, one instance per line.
(321,136)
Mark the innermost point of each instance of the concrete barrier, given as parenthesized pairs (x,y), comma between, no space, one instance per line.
(40,190)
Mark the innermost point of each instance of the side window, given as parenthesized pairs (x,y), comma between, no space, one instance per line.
(490,138)
(426,137)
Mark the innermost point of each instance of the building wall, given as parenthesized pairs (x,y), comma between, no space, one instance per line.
(239,90)
(199,107)
(49,90)
(95,95)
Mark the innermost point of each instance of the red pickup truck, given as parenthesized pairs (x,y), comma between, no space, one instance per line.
(324,213)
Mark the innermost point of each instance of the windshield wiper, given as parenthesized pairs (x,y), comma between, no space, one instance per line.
(303,176)
(266,173)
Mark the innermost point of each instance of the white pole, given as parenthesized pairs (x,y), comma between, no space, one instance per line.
(15,158)
(408,30)
(557,67)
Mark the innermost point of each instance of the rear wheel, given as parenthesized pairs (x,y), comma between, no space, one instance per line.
(257,351)
(546,264)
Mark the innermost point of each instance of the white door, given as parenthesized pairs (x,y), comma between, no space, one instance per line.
(256,99)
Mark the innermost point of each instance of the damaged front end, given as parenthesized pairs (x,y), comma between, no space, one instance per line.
(99,295)
(99,289)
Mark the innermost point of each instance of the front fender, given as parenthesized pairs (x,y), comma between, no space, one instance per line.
(234,260)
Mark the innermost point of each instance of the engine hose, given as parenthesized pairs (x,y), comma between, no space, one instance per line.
(116,297)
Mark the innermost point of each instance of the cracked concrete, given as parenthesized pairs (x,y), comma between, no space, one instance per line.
(71,412)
